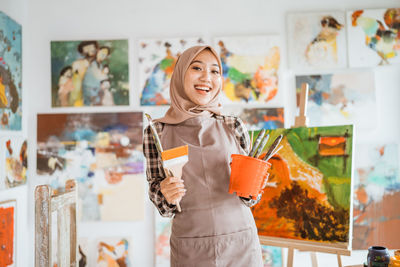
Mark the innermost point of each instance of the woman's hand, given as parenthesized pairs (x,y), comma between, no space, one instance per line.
(173,189)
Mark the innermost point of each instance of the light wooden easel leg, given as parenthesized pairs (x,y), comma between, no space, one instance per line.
(339,260)
(290,257)
(314,259)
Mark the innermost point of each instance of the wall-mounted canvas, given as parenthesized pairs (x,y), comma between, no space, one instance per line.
(308,194)
(8,211)
(157,58)
(258,118)
(374,37)
(317,40)
(113,252)
(10,74)
(340,98)
(89,73)
(272,256)
(162,247)
(250,69)
(103,152)
(14,162)
(376,196)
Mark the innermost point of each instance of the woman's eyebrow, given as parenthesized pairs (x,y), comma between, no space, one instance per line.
(201,62)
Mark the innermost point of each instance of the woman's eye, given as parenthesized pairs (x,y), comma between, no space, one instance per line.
(196,68)
(215,71)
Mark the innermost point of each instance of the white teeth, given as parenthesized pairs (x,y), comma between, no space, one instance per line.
(202,88)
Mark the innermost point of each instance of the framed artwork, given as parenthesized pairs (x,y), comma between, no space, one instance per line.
(340,98)
(308,194)
(272,256)
(376,210)
(8,233)
(10,74)
(250,69)
(373,37)
(163,234)
(14,162)
(89,73)
(103,152)
(258,118)
(113,251)
(317,40)
(157,58)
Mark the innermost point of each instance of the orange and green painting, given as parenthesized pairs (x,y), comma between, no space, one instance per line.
(308,193)
(7,233)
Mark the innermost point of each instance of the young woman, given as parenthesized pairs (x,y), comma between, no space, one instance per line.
(214,228)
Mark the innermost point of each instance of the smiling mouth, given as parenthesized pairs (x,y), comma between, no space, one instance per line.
(202,88)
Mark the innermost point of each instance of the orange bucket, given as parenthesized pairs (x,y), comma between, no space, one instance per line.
(247,175)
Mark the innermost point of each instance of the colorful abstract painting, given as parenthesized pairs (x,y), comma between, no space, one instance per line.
(157,58)
(103,152)
(258,118)
(374,37)
(308,194)
(250,68)
(7,233)
(376,208)
(113,252)
(272,256)
(163,233)
(14,162)
(317,40)
(340,98)
(89,73)
(10,74)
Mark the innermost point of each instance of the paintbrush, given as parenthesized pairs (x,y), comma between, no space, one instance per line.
(262,145)
(161,151)
(273,147)
(257,143)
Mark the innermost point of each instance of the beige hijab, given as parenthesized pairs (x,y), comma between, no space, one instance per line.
(182,108)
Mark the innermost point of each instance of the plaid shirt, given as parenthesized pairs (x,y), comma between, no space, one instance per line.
(155,173)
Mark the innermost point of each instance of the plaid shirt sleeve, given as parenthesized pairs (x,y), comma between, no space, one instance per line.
(243,138)
(155,173)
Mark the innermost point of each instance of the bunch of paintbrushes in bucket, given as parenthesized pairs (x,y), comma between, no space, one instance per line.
(249,174)
(173,159)
(259,144)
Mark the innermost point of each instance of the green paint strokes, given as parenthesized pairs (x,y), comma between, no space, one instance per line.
(237,76)
(166,62)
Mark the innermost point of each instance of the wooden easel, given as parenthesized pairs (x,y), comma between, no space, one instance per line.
(302,121)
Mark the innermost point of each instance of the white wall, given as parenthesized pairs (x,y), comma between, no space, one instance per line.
(47,20)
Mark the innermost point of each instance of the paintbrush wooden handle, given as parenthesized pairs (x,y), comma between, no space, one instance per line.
(273,146)
(261,147)
(257,143)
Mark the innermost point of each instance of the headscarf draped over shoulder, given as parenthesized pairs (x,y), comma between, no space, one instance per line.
(182,108)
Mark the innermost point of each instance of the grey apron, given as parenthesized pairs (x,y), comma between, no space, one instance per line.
(215,228)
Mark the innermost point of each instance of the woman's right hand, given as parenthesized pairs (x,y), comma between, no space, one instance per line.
(173,189)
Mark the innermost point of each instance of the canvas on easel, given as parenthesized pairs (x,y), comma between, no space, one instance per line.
(307,202)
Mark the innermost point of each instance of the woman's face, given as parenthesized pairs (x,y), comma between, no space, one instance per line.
(203,78)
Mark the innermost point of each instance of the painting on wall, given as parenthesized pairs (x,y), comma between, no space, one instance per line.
(250,69)
(8,233)
(113,252)
(157,58)
(272,256)
(376,210)
(317,40)
(308,194)
(89,73)
(10,73)
(103,152)
(258,118)
(14,162)
(162,247)
(340,98)
(374,37)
